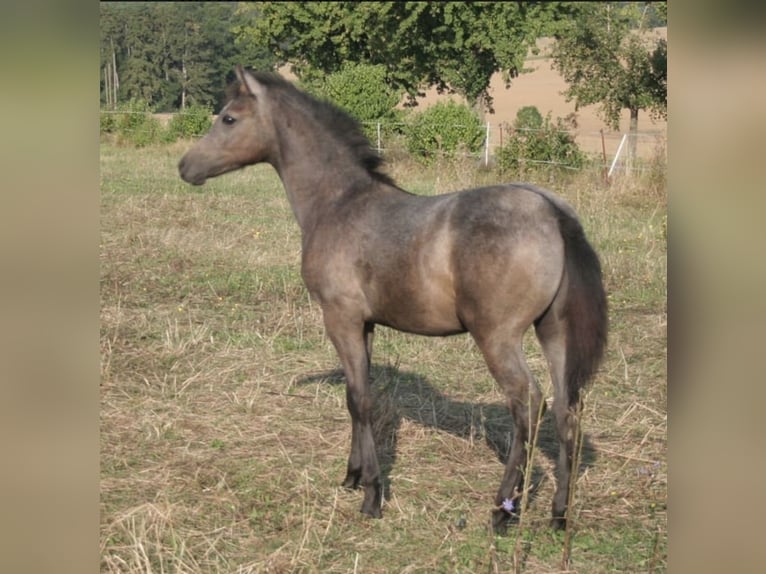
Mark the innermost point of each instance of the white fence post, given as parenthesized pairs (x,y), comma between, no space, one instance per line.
(617,155)
(379,138)
(486,147)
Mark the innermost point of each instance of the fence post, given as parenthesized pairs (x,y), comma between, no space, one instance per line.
(617,155)
(486,147)
(378,127)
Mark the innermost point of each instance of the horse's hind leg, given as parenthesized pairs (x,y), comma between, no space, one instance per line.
(551,332)
(506,362)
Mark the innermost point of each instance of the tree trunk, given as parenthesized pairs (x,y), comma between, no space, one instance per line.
(633,136)
(183,84)
(184,74)
(107,87)
(115,78)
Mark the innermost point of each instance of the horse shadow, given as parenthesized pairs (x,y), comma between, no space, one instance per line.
(400,395)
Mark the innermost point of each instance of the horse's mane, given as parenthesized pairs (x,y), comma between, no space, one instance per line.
(345,128)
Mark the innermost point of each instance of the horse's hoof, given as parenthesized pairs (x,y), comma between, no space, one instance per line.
(372,512)
(371,506)
(373,499)
(351,482)
(559,517)
(500,521)
(559,523)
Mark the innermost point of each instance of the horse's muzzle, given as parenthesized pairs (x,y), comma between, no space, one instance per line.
(188,175)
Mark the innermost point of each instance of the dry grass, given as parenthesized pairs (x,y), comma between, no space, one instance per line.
(224,432)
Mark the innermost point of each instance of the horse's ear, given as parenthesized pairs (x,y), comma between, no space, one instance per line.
(248,85)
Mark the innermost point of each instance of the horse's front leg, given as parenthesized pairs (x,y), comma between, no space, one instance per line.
(353,342)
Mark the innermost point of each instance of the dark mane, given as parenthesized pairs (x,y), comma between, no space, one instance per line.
(344,127)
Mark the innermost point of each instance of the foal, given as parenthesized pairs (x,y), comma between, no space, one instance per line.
(491,262)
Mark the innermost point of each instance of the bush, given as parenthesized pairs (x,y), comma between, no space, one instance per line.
(135,124)
(107,122)
(193,122)
(442,128)
(536,142)
(529,118)
(362,90)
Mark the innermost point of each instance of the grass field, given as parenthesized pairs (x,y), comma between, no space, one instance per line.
(224,431)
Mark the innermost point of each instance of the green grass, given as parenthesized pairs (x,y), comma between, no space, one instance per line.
(224,431)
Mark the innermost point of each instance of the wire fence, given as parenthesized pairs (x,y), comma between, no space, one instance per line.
(610,148)
(609,151)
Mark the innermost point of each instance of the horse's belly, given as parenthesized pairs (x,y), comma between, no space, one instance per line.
(427,328)
(433,315)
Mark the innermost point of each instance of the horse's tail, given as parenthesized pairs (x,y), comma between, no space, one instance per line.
(585,306)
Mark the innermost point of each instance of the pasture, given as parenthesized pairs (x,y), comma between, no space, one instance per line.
(224,429)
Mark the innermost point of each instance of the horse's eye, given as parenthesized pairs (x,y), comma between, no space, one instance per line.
(228,120)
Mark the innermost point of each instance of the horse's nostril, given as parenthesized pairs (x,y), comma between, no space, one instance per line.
(183,169)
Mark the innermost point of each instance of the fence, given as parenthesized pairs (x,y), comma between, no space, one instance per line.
(610,149)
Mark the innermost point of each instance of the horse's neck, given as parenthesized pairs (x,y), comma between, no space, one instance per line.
(311,183)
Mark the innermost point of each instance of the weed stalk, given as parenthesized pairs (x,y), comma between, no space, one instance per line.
(531,448)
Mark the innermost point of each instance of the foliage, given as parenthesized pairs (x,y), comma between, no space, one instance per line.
(605,61)
(528,117)
(171,54)
(444,127)
(537,141)
(455,46)
(107,122)
(136,124)
(195,121)
(655,13)
(361,90)
(659,86)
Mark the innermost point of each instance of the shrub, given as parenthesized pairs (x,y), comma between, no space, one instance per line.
(192,122)
(528,117)
(135,124)
(107,122)
(538,142)
(360,89)
(444,128)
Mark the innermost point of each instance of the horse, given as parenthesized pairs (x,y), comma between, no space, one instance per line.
(489,261)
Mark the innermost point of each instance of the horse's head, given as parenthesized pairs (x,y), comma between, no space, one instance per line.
(241,135)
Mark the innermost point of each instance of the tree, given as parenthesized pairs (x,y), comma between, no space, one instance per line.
(112,33)
(455,46)
(605,59)
(206,51)
(141,74)
(169,54)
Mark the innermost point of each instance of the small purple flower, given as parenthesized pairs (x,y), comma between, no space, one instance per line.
(508,505)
